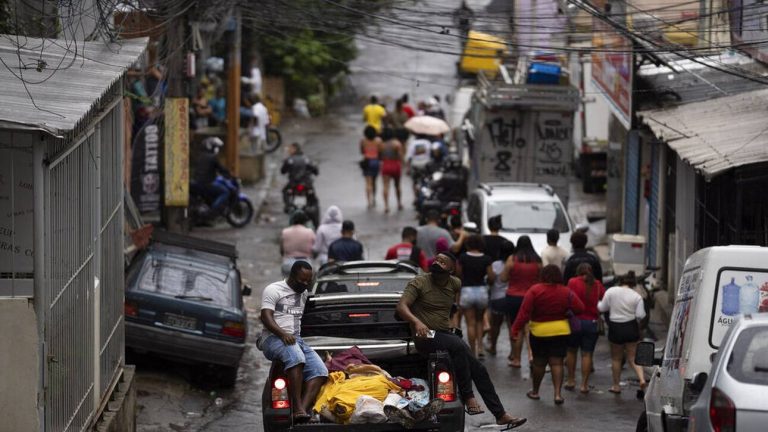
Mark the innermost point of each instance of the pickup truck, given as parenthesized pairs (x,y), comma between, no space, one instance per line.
(354,304)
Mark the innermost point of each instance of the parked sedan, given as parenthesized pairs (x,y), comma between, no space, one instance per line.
(733,394)
(183,300)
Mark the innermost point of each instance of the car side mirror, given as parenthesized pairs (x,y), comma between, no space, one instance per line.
(247,290)
(646,354)
(698,382)
(471,227)
(582,227)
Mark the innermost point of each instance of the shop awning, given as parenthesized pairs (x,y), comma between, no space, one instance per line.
(715,135)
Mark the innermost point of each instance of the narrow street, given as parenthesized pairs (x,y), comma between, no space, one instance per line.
(169,394)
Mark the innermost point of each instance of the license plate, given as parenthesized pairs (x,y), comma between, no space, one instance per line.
(180,321)
(300,201)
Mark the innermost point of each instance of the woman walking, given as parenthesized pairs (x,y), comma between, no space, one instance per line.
(496,312)
(391,153)
(521,272)
(328,232)
(475,273)
(590,291)
(625,307)
(546,305)
(369,147)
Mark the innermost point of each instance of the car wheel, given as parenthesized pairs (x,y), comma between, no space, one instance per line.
(642,423)
(227,376)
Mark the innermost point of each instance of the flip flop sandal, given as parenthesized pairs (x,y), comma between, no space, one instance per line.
(559,401)
(532,395)
(570,387)
(582,391)
(614,391)
(515,422)
(514,364)
(473,410)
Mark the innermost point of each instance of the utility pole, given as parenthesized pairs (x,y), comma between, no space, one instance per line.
(174,217)
(232,146)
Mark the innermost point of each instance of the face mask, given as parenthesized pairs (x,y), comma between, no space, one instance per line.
(299,287)
(435,268)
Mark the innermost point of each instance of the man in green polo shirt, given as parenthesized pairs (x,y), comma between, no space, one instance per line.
(426,304)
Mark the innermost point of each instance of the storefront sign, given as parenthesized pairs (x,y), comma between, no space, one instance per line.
(177,152)
(145,177)
(16,220)
(612,64)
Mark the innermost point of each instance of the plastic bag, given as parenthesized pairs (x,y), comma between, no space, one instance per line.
(418,398)
(368,410)
(396,401)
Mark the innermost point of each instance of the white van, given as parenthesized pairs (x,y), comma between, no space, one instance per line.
(717,284)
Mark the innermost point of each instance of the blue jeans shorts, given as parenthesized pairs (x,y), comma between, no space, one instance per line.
(474,297)
(291,355)
(586,339)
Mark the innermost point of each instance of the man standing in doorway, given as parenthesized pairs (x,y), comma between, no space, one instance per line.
(282,306)
(426,304)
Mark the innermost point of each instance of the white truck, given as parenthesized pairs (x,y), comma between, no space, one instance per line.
(517,132)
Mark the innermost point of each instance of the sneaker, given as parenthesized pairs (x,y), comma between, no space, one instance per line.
(432,408)
(401,416)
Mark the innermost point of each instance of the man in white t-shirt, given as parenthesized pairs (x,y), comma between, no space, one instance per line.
(260,122)
(282,306)
(554,254)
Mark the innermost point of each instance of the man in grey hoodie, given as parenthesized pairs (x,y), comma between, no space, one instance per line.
(328,232)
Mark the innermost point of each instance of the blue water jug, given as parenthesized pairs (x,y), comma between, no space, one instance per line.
(731,293)
(749,297)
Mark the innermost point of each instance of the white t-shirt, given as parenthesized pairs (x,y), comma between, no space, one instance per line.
(287,304)
(499,288)
(623,303)
(418,153)
(554,255)
(262,120)
(255,81)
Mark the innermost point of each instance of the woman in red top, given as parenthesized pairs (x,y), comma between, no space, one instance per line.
(545,305)
(589,291)
(521,272)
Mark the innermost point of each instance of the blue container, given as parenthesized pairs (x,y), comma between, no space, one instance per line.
(543,73)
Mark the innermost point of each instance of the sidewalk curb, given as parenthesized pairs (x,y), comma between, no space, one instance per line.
(265,185)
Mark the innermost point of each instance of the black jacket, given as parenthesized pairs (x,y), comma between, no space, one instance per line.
(207,167)
(582,256)
(299,169)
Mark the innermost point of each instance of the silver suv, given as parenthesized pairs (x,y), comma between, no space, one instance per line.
(526,209)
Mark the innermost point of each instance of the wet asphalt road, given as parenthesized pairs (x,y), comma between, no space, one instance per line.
(174,397)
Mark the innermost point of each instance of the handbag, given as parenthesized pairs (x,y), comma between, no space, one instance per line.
(573,320)
(600,326)
(363,164)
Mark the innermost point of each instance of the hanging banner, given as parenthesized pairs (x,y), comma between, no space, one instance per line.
(612,64)
(145,166)
(176,152)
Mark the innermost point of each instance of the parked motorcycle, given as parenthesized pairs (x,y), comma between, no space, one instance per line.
(301,196)
(274,139)
(238,210)
(430,196)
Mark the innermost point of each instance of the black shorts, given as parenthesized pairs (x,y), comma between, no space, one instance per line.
(551,346)
(498,306)
(622,333)
(512,306)
(586,339)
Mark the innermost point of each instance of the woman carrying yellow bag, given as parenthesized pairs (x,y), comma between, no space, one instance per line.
(546,306)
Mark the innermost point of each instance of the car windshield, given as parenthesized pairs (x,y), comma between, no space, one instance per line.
(529,216)
(182,279)
(748,361)
(366,285)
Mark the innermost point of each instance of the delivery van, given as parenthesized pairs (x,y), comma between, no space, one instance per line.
(717,284)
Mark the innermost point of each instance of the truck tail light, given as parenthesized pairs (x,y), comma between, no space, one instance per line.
(280,394)
(131,309)
(722,412)
(234,329)
(445,387)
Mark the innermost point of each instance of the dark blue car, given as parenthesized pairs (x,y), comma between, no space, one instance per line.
(183,300)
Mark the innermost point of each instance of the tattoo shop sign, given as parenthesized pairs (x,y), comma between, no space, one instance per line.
(146,180)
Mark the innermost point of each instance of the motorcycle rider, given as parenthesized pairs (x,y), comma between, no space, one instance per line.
(452,184)
(299,169)
(206,169)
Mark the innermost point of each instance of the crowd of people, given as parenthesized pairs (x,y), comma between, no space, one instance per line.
(387,152)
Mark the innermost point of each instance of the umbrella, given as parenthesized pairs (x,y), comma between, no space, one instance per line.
(427,125)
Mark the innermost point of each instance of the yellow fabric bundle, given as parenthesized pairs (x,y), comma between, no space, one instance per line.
(339,393)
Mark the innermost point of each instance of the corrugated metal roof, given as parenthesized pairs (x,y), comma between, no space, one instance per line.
(86,72)
(715,135)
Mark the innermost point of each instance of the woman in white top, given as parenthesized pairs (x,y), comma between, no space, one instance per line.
(328,232)
(625,307)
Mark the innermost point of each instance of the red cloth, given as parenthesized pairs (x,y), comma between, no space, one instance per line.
(546,302)
(522,276)
(579,288)
(407,109)
(402,251)
(341,360)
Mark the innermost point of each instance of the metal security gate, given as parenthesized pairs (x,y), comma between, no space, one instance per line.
(83,267)
(632,183)
(653,207)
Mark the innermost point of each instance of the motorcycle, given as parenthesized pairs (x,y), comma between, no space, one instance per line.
(274,139)
(428,198)
(301,196)
(238,210)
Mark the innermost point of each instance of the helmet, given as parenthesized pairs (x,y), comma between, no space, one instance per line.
(453,161)
(213,144)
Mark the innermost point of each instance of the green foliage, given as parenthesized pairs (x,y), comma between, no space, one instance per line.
(6,22)
(307,59)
